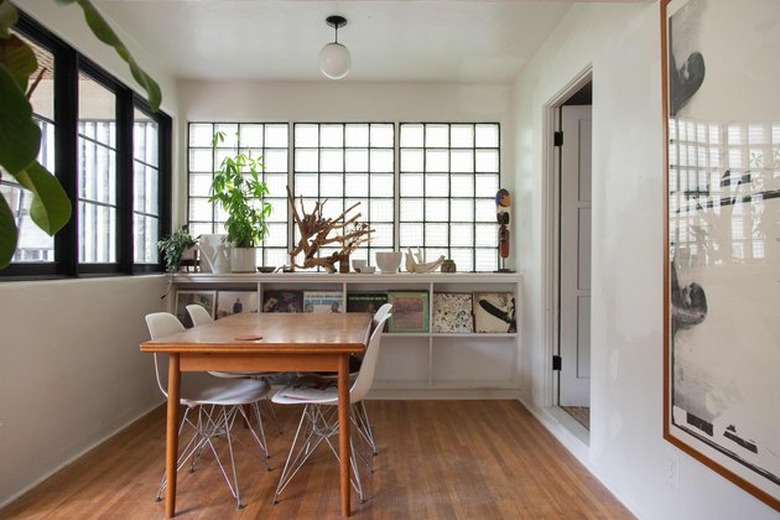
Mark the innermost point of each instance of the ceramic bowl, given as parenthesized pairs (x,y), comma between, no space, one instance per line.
(388,262)
(366,269)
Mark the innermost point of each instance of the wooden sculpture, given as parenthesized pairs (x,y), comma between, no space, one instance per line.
(318,232)
(503,205)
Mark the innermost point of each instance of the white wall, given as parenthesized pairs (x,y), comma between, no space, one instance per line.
(71,374)
(626,451)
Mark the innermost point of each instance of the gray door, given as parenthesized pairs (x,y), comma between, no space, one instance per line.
(575,247)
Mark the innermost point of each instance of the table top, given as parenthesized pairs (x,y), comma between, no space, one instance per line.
(277,332)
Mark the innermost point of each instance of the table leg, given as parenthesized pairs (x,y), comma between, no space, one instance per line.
(344,428)
(172,434)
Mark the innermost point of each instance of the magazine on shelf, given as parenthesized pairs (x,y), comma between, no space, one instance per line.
(365,302)
(282,301)
(323,301)
(452,312)
(410,311)
(494,312)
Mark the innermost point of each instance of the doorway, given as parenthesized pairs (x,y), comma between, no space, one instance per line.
(571,254)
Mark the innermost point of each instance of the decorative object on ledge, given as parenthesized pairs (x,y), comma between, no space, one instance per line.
(448,266)
(418,264)
(388,261)
(335,60)
(503,203)
(178,250)
(316,233)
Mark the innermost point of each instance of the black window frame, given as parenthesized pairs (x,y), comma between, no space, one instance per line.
(68,62)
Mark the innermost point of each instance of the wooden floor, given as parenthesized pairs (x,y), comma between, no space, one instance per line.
(438,460)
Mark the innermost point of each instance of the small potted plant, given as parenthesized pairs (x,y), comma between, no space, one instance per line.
(241,193)
(175,247)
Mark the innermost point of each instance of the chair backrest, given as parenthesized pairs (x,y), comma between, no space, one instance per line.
(162,324)
(365,377)
(198,314)
(382,313)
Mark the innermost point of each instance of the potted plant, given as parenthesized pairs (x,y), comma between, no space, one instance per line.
(175,247)
(241,193)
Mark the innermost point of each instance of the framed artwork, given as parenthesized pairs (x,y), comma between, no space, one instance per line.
(323,301)
(282,301)
(235,302)
(365,302)
(452,312)
(410,311)
(208,299)
(722,237)
(494,312)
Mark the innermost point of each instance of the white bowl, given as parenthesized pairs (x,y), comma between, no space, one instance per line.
(366,269)
(389,262)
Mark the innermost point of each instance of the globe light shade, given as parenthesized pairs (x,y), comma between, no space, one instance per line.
(335,61)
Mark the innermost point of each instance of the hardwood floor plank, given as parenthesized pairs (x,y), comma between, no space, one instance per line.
(438,460)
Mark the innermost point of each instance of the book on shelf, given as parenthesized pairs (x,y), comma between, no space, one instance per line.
(410,311)
(365,302)
(494,312)
(323,301)
(282,301)
(452,312)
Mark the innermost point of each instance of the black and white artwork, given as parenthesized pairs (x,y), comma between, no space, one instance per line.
(722,286)
(207,299)
(235,302)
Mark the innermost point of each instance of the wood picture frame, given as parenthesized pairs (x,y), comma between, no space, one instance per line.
(722,237)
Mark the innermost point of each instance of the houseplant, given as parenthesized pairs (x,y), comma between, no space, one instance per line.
(174,247)
(238,188)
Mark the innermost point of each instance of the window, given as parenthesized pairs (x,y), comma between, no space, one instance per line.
(448,176)
(112,156)
(348,164)
(266,140)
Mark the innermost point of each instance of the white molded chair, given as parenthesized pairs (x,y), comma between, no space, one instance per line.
(319,420)
(215,404)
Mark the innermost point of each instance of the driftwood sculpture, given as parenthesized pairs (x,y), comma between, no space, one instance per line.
(318,232)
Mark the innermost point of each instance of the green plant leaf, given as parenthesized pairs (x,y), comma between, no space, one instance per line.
(20,138)
(8,17)
(8,233)
(50,208)
(106,34)
(19,59)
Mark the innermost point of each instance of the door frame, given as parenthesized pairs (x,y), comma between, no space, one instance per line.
(551,229)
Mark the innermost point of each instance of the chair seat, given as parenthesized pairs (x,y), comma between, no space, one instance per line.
(309,389)
(223,392)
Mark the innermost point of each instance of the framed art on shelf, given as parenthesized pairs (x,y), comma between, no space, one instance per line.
(207,299)
(722,238)
(323,301)
(235,302)
(282,301)
(494,312)
(410,311)
(452,313)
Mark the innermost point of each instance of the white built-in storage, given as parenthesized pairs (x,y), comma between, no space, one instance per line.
(410,364)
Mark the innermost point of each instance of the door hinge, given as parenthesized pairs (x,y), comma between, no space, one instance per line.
(557,361)
(558,139)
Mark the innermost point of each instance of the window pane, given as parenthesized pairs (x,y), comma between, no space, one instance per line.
(33,245)
(146,183)
(97,188)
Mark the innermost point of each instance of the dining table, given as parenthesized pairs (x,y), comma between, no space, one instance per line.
(283,342)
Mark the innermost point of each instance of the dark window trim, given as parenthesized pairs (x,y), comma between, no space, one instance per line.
(68,62)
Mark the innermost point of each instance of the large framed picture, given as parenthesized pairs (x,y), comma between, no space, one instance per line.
(722,237)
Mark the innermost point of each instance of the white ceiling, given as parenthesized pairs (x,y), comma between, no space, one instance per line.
(475,41)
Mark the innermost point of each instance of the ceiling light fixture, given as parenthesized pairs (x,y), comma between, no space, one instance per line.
(334,57)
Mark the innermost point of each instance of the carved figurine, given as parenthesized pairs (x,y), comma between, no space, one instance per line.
(419,265)
(503,204)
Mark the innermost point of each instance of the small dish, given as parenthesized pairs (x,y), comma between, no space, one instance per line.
(366,269)
(266,269)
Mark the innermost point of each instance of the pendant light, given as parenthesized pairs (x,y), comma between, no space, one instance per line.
(335,60)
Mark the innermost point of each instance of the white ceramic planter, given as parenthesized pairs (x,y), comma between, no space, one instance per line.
(243,259)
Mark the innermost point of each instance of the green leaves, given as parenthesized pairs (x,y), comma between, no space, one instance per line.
(50,208)
(106,34)
(20,137)
(238,188)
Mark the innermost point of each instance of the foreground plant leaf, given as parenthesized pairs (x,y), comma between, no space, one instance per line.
(50,208)
(106,34)
(20,137)
(18,59)
(8,234)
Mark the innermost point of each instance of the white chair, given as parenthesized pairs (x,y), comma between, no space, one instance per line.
(319,420)
(215,404)
(361,414)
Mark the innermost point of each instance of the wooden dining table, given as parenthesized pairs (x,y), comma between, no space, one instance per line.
(284,342)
